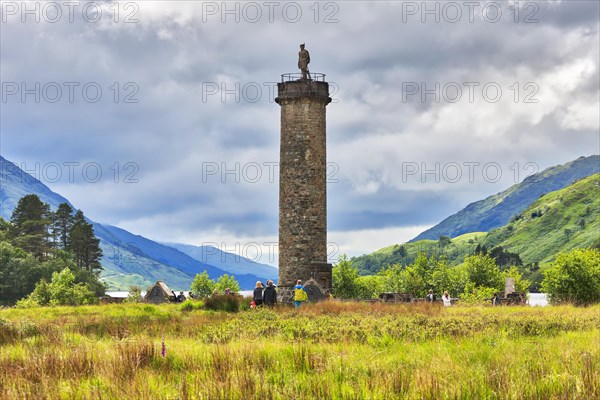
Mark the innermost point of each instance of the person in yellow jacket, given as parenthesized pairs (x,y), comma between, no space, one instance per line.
(300,294)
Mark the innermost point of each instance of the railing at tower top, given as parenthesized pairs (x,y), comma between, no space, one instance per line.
(297,76)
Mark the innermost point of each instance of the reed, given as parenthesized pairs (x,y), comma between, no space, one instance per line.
(330,350)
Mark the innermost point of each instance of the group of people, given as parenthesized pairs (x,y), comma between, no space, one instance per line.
(445,298)
(268,295)
(265,295)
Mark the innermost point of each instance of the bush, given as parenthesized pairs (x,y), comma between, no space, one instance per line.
(61,291)
(223,302)
(27,302)
(574,277)
(477,294)
(135,295)
(190,305)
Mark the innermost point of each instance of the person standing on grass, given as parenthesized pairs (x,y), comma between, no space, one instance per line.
(446,299)
(430,296)
(270,294)
(258,294)
(300,294)
(496,299)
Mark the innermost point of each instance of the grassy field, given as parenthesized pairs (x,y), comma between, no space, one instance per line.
(330,350)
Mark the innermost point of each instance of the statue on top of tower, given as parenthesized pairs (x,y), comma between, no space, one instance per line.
(303,61)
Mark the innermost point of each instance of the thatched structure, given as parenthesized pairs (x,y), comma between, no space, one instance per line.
(159,293)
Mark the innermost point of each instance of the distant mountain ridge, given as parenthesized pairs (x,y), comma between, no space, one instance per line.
(233,263)
(128,259)
(497,210)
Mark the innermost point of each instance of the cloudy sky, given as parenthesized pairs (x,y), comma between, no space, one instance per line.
(158,117)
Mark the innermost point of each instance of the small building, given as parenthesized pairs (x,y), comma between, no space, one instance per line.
(159,293)
(114,297)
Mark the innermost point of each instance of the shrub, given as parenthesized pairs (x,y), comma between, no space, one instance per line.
(62,290)
(135,295)
(27,302)
(223,302)
(190,305)
(477,294)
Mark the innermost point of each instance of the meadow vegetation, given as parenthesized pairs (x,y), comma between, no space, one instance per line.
(328,350)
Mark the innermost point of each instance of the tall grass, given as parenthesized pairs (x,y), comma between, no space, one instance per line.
(327,351)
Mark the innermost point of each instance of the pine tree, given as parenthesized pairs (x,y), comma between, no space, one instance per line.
(30,222)
(62,223)
(84,244)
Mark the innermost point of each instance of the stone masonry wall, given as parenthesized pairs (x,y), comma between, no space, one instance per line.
(302,183)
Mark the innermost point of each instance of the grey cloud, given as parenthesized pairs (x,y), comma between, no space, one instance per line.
(368,54)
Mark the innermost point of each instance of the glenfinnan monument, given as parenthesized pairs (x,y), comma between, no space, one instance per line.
(302,182)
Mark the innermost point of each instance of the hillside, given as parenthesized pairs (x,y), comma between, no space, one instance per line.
(128,259)
(497,210)
(406,253)
(557,221)
(141,259)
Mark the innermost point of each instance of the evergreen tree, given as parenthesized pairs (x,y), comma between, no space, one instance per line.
(482,250)
(444,241)
(84,244)
(20,271)
(505,258)
(30,222)
(61,225)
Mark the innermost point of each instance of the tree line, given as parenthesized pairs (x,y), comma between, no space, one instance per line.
(39,247)
(573,277)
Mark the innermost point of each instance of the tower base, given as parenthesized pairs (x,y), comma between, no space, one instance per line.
(316,292)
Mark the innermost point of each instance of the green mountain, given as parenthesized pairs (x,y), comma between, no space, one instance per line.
(406,253)
(497,210)
(130,259)
(555,222)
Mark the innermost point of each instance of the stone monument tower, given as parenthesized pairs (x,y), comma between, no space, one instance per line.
(302,182)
